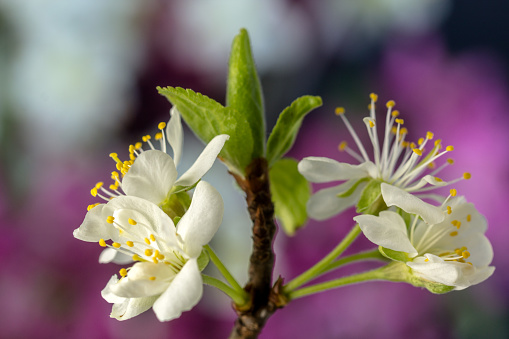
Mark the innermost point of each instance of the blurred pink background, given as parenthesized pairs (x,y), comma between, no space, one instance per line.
(78,81)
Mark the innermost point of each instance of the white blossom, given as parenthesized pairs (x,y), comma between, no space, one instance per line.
(394,161)
(166,275)
(453,251)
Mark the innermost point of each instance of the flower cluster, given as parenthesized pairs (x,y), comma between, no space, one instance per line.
(149,218)
(442,244)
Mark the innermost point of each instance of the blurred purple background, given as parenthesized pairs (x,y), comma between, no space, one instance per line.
(78,81)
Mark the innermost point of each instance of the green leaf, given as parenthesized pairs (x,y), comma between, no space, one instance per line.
(371,201)
(290,193)
(394,255)
(284,133)
(208,118)
(244,91)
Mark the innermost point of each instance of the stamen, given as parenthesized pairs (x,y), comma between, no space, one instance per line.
(148,252)
(129,243)
(467,175)
(123,272)
(449,210)
(102,243)
(110,219)
(152,237)
(390,104)
(131,221)
(161,125)
(417,151)
(342,146)
(116,245)
(469,218)
(449,148)
(453,192)
(147,241)
(395,113)
(339,111)
(453,233)
(152,278)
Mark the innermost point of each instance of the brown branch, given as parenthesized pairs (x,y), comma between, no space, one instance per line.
(265,298)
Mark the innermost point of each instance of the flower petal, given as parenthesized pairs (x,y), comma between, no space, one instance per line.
(132,307)
(427,179)
(202,220)
(95,227)
(110,296)
(151,176)
(326,203)
(394,196)
(112,255)
(321,169)
(183,293)
(175,134)
(387,230)
(435,269)
(204,161)
(138,283)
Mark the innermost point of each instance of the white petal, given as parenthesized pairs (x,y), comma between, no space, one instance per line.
(387,230)
(138,284)
(132,307)
(112,255)
(204,161)
(110,296)
(151,176)
(480,275)
(175,134)
(148,215)
(394,196)
(202,220)
(320,169)
(95,227)
(445,272)
(326,203)
(182,295)
(428,179)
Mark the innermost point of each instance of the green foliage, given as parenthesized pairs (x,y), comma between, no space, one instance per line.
(290,193)
(371,201)
(208,118)
(203,260)
(284,133)
(394,255)
(244,91)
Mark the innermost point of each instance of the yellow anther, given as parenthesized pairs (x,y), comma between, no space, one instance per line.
(438,142)
(417,151)
(339,110)
(449,210)
(114,175)
(154,260)
(394,130)
(131,149)
(93,191)
(138,145)
(469,218)
(119,166)
(113,187)
(400,121)
(467,175)
(99,184)
(161,125)
(426,260)
(136,258)
(123,272)
(371,123)
(102,243)
(453,233)
(420,141)
(432,165)
(129,243)
(395,113)
(370,107)
(152,278)
(156,253)
(92,206)
(438,179)
(110,219)
(116,245)
(390,103)
(146,138)
(456,223)
(342,146)
(465,254)
(405,144)
(429,135)
(373,97)
(158,136)
(450,161)
(458,251)
(148,252)
(132,156)
(449,148)
(147,241)
(160,256)
(152,237)
(468,262)
(453,192)
(131,221)
(403,131)
(413,145)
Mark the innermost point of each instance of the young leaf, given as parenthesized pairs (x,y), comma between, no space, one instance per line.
(244,91)
(208,118)
(284,133)
(290,193)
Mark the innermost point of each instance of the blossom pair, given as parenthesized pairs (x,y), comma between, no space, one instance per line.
(149,218)
(443,244)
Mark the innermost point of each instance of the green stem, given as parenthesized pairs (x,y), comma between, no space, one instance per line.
(319,268)
(367,255)
(376,274)
(224,271)
(238,298)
